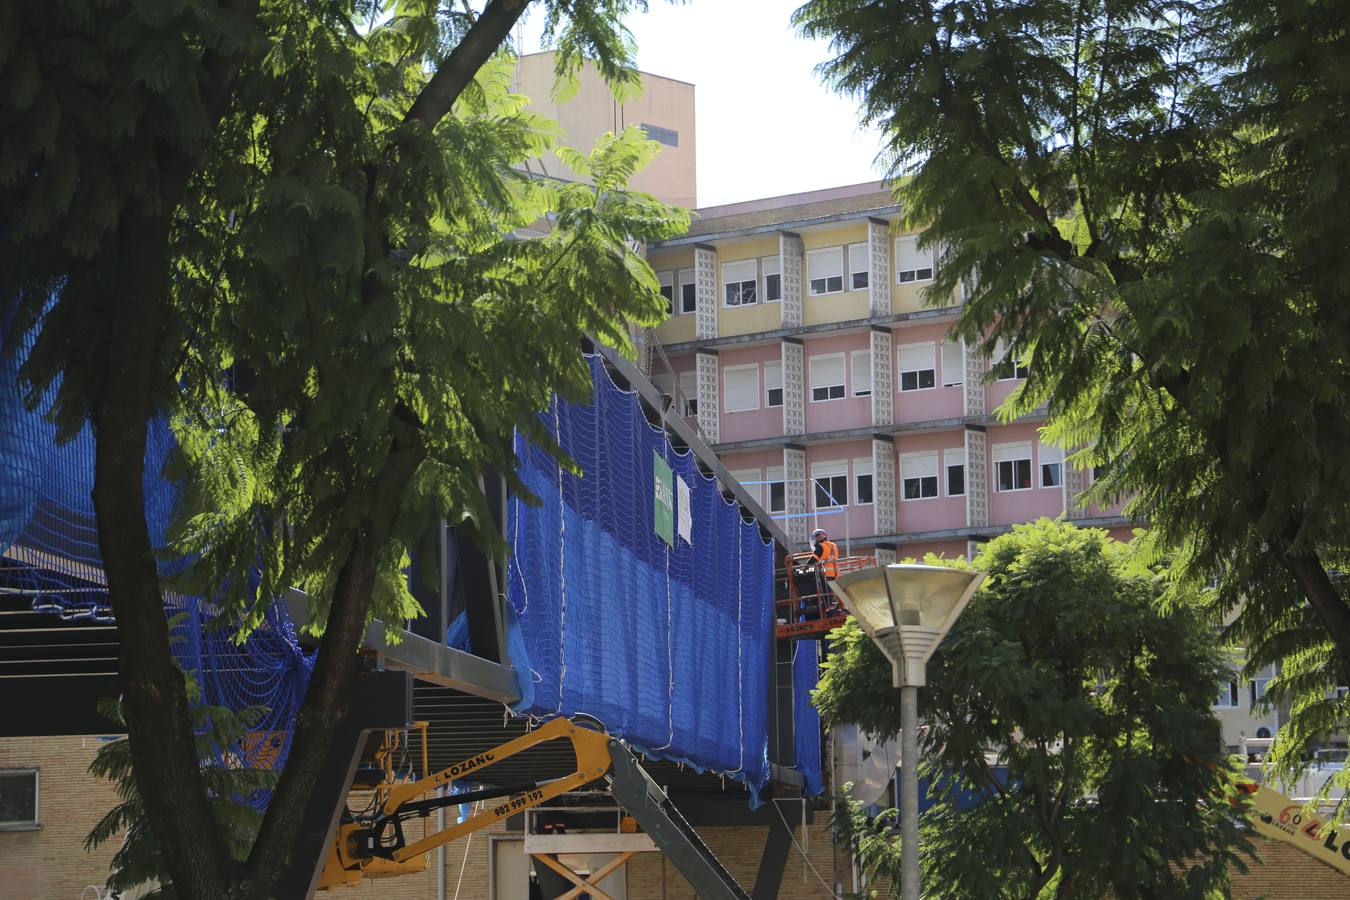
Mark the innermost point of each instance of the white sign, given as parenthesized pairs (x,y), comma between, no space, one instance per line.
(684,519)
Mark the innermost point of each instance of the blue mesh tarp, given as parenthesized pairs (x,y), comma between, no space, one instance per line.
(668,647)
(805,716)
(49,553)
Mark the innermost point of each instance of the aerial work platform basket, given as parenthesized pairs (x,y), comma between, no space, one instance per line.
(808,608)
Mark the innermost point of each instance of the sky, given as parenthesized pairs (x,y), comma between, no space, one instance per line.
(765,123)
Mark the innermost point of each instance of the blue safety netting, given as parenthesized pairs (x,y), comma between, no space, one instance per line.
(49,553)
(805,716)
(667,646)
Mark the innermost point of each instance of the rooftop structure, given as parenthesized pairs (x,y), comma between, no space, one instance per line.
(664,108)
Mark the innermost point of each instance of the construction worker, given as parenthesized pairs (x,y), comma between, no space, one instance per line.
(827,551)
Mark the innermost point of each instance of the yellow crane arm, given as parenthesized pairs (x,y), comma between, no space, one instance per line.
(1276,816)
(375,847)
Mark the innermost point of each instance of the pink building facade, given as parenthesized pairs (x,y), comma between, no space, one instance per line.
(805,348)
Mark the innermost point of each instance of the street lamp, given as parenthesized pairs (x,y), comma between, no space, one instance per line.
(906,610)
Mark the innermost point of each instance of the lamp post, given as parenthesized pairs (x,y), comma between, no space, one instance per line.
(906,610)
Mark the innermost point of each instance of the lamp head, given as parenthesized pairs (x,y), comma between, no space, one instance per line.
(906,610)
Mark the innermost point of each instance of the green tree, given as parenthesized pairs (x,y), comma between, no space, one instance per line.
(289,226)
(1142,199)
(1080,670)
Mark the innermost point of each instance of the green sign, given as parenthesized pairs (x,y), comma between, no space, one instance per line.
(663,499)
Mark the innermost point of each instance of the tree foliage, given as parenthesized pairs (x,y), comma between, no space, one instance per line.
(1143,199)
(1071,670)
(138,864)
(294,229)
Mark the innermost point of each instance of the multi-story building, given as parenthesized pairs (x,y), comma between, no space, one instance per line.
(662,107)
(802,346)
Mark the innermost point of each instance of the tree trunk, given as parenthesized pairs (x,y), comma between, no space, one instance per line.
(163,748)
(1322,595)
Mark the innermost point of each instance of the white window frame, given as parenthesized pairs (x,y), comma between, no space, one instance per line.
(862,468)
(25,824)
(689,380)
(1233,701)
(743,275)
(859,253)
(831,469)
(918,466)
(836,254)
(773,381)
(1001,355)
(752,393)
(1013,453)
(907,253)
(953,364)
(854,357)
(1258,685)
(775,475)
(952,458)
(770,266)
(811,366)
(685,278)
(667,281)
(1046,456)
(929,351)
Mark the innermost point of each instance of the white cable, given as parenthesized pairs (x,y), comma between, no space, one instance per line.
(740,634)
(829,890)
(477,807)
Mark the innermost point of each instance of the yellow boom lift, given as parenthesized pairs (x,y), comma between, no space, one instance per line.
(373,843)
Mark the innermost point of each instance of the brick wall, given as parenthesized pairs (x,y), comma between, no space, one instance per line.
(1285,872)
(51,862)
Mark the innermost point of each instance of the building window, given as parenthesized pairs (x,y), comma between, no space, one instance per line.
(741,385)
(953,364)
(1052,466)
(831,481)
(827,377)
(859,264)
(1006,368)
(738,282)
(917,372)
(862,480)
(18,799)
(1012,466)
(918,475)
(667,280)
(667,136)
(954,466)
(777,490)
(825,270)
(860,362)
(1226,697)
(688,291)
(689,394)
(911,263)
(773,281)
(773,384)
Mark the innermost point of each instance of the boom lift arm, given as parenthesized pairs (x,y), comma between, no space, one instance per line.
(373,845)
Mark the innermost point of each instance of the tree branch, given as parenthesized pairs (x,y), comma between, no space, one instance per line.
(482,40)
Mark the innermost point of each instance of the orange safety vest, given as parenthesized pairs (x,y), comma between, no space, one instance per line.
(829,558)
